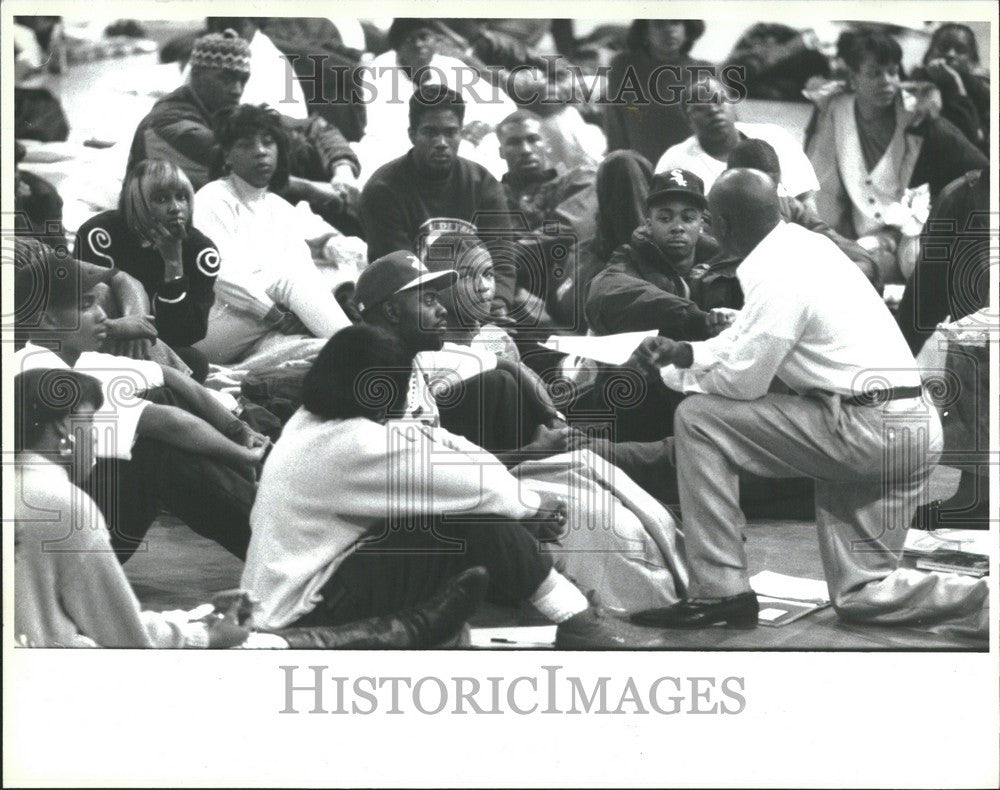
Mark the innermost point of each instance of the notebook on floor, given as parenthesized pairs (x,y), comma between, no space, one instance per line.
(949,561)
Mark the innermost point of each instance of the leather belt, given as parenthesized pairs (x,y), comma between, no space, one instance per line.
(877,397)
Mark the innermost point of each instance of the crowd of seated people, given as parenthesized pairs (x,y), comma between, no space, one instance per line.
(405,279)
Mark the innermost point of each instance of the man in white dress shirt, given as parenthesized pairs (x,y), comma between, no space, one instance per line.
(857,423)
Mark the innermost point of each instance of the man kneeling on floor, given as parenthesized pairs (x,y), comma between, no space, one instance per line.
(859,426)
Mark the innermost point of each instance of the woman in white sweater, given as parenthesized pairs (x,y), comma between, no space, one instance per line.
(358,515)
(269,294)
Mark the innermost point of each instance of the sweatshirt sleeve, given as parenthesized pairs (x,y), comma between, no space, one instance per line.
(619,302)
(414,470)
(383,221)
(182,306)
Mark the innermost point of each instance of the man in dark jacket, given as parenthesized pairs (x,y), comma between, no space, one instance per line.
(179,128)
(556,206)
(645,285)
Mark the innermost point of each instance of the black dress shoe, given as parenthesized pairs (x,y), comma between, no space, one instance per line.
(738,611)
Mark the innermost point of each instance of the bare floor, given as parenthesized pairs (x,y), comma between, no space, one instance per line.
(180,569)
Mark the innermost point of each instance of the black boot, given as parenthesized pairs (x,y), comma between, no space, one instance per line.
(427,625)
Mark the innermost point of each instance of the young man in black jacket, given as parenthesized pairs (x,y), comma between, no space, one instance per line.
(646,283)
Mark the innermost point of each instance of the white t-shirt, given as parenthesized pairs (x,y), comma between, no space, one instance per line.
(797,175)
(123,382)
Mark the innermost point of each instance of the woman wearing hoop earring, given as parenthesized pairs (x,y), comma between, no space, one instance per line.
(150,236)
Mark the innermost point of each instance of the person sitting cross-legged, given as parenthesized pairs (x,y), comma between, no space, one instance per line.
(359,515)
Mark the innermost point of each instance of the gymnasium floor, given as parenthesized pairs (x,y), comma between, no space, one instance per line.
(182,570)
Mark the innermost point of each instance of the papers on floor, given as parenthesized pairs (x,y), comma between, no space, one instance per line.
(793,588)
(782,611)
(784,599)
(607,349)
(919,543)
(519,638)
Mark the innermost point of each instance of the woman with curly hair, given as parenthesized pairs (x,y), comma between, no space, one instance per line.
(272,303)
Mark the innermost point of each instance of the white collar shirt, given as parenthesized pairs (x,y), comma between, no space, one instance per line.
(810,318)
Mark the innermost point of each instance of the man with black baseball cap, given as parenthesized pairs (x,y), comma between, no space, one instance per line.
(645,284)
(400,293)
(491,409)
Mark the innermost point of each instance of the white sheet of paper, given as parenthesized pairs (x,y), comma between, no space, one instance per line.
(973,540)
(609,349)
(794,588)
(513,638)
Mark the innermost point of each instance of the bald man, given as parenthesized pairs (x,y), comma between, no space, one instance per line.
(858,424)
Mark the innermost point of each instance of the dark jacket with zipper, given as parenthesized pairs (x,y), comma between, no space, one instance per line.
(640,289)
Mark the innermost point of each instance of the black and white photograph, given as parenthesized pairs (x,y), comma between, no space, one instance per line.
(389,392)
